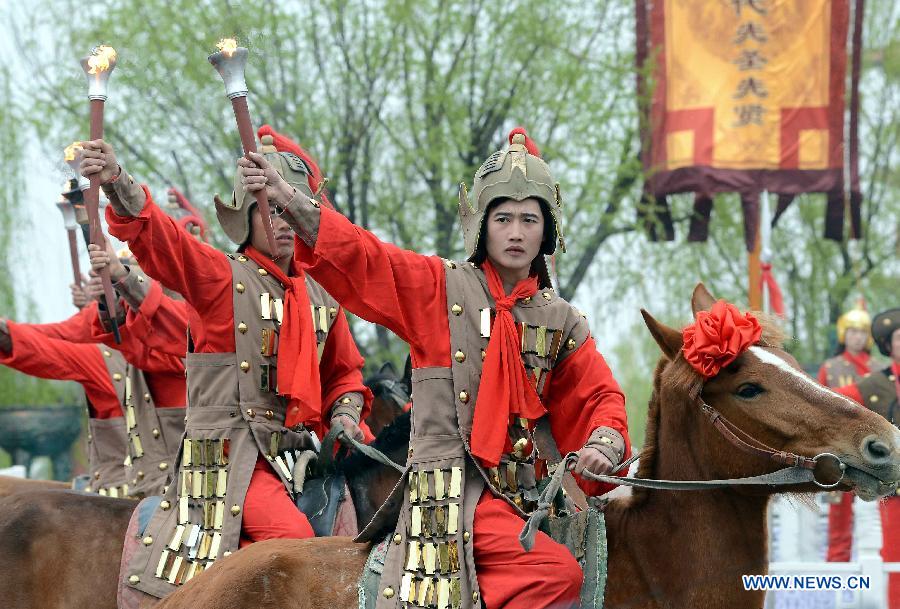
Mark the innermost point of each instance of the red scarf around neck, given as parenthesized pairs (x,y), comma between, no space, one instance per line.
(505,389)
(298,360)
(860,361)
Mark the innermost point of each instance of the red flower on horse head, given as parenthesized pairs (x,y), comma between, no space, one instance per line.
(717,337)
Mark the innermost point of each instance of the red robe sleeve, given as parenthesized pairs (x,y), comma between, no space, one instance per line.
(340,369)
(50,358)
(154,337)
(581,396)
(197,271)
(75,329)
(398,289)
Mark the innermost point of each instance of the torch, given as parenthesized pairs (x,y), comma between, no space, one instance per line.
(79,185)
(68,214)
(97,67)
(230,62)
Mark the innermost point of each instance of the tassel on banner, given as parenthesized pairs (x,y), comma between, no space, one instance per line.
(767,280)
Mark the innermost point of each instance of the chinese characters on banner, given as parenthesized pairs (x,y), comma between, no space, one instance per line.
(748,95)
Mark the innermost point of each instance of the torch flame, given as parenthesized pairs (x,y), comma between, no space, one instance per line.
(100,59)
(72,150)
(227,46)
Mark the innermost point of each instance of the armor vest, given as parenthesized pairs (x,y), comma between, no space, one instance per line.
(107,437)
(430,561)
(839,372)
(879,394)
(234,415)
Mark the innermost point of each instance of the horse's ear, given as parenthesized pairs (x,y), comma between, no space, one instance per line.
(668,339)
(701,299)
(388,369)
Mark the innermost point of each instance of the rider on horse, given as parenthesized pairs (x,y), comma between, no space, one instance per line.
(849,365)
(270,362)
(501,364)
(880,392)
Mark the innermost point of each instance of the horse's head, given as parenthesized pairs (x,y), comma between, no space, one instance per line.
(391,394)
(769,402)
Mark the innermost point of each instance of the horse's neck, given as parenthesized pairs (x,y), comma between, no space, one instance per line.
(686,544)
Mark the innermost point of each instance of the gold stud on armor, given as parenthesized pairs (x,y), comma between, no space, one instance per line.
(388,592)
(270,415)
(107,353)
(146,397)
(456,309)
(140,475)
(147,540)
(570,344)
(459,356)
(155,433)
(242,258)
(398,538)
(235,510)
(134,579)
(450,264)
(475,596)
(346,400)
(332,311)
(245,365)
(546,295)
(527,299)
(164,505)
(117,377)
(262,272)
(467,536)
(251,413)
(163,466)
(242,328)
(464,396)
(240,288)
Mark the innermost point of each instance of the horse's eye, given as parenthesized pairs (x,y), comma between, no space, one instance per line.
(748,391)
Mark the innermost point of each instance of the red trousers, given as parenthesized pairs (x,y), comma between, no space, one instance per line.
(890,545)
(511,578)
(840,529)
(269,512)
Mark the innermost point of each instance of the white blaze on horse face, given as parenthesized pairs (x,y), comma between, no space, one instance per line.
(807,382)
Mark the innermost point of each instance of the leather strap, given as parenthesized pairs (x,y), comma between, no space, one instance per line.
(549,452)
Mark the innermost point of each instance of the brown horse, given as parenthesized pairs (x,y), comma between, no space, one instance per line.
(666,549)
(62,549)
(10,485)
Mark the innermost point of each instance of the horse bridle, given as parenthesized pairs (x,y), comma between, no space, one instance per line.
(732,433)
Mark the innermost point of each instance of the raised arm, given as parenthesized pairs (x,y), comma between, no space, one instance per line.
(401,290)
(155,322)
(30,352)
(76,329)
(164,250)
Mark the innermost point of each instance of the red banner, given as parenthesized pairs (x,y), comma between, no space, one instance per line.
(748,95)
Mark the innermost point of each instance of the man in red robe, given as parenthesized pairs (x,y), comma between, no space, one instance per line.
(849,365)
(880,391)
(495,351)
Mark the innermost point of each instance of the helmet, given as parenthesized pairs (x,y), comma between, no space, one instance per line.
(235,215)
(883,327)
(858,318)
(517,173)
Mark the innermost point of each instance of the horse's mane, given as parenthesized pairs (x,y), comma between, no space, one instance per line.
(378,387)
(681,381)
(392,437)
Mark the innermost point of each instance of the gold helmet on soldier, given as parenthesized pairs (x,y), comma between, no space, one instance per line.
(235,215)
(857,318)
(517,173)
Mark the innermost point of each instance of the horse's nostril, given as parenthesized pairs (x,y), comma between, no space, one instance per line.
(875,450)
